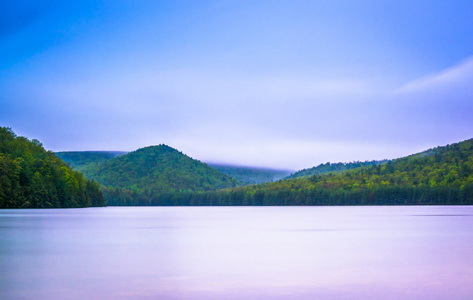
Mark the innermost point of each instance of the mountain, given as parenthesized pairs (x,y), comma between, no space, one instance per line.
(159,169)
(31,177)
(251,175)
(82,160)
(336,167)
(161,175)
(87,162)
(439,176)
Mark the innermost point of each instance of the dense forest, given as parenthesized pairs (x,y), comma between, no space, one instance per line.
(31,177)
(329,167)
(84,161)
(249,175)
(160,175)
(88,163)
(440,176)
(153,171)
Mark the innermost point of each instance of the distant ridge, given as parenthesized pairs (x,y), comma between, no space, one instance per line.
(251,175)
(161,175)
(335,167)
(85,161)
(438,176)
(82,160)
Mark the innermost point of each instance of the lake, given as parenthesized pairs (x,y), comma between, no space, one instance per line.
(403,252)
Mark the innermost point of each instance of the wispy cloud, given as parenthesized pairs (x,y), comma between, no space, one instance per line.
(271,83)
(458,76)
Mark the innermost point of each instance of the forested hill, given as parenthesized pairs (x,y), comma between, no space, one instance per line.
(84,160)
(251,175)
(439,176)
(159,169)
(443,175)
(336,167)
(31,177)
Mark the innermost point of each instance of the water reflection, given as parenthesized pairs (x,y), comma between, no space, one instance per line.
(237,252)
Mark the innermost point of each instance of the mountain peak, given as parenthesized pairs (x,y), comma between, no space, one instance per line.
(160,169)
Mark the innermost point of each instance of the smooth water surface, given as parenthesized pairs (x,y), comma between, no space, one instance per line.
(404,252)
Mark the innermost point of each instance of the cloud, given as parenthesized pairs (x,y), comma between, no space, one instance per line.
(188,97)
(436,107)
(289,153)
(459,76)
(205,87)
(265,120)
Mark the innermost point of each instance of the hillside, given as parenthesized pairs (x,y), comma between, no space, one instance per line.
(31,177)
(336,167)
(83,160)
(439,176)
(250,175)
(155,170)
(87,162)
(443,175)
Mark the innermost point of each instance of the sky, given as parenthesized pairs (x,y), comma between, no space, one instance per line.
(280,84)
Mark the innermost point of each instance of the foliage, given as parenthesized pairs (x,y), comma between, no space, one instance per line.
(248,175)
(160,175)
(440,176)
(31,177)
(87,162)
(84,160)
(443,175)
(328,168)
(155,170)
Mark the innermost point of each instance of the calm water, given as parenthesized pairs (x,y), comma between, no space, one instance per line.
(237,253)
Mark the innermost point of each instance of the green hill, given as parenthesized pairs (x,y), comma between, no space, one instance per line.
(150,172)
(443,175)
(160,175)
(31,177)
(250,175)
(82,160)
(87,162)
(336,167)
(439,176)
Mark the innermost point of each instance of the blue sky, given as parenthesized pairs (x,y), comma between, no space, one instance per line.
(286,84)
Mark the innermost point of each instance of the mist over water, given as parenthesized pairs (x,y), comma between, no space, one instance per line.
(404,252)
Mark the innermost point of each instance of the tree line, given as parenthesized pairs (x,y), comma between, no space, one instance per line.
(440,176)
(31,177)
